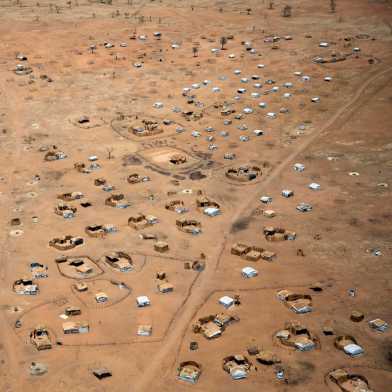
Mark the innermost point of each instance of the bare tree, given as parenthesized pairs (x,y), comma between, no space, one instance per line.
(195,51)
(332,5)
(286,12)
(109,151)
(223,42)
(389,25)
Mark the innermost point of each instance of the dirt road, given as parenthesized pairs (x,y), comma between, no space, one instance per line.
(202,289)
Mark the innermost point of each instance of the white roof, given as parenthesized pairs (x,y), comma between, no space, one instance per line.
(299,166)
(314,185)
(226,301)
(249,271)
(143,299)
(238,373)
(212,211)
(353,349)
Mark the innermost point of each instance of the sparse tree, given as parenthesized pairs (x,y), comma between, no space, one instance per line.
(109,151)
(270,5)
(248,11)
(286,12)
(195,51)
(332,5)
(223,42)
(389,25)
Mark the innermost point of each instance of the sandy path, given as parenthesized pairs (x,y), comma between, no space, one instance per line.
(7,336)
(201,289)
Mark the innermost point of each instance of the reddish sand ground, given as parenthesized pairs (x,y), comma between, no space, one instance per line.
(347,131)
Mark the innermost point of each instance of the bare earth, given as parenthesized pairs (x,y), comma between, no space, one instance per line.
(106,62)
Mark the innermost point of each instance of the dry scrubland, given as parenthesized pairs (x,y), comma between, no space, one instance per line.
(143,155)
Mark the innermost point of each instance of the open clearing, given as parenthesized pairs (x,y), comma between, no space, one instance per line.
(195,195)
